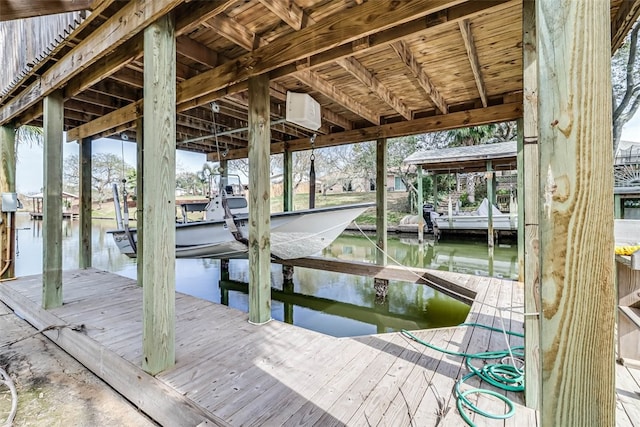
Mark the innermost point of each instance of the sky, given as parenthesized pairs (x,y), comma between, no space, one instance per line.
(29,168)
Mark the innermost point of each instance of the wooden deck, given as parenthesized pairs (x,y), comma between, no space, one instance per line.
(229,372)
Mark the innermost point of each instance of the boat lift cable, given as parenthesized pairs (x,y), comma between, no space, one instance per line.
(125,205)
(312,176)
(232,225)
(502,375)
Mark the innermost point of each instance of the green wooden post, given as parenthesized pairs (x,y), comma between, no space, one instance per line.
(259,209)
(52,206)
(159,238)
(85,204)
(578,292)
(8,185)
(617,206)
(531,196)
(420,203)
(287,181)
(140,199)
(381,201)
(491,196)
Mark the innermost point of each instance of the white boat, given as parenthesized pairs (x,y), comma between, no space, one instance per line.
(294,234)
(477,220)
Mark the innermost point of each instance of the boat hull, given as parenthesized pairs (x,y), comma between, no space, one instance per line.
(295,234)
(476,222)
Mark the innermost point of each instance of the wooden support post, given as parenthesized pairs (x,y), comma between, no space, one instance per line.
(159,238)
(381,287)
(8,185)
(139,199)
(85,204)
(577,323)
(420,203)
(52,207)
(435,191)
(259,209)
(224,276)
(224,269)
(520,198)
(287,273)
(381,201)
(287,181)
(491,198)
(288,288)
(530,207)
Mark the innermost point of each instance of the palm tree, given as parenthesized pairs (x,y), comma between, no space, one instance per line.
(471,136)
(205,175)
(30,135)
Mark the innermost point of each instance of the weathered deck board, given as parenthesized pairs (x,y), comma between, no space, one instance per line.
(278,374)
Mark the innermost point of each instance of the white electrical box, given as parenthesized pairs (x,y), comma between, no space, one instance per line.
(9,202)
(303,110)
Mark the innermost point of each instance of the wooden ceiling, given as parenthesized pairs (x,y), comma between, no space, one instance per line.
(378,68)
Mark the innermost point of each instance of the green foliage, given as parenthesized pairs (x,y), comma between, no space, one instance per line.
(464,199)
(631,203)
(481,190)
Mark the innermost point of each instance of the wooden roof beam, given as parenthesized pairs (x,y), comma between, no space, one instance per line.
(233,31)
(197,12)
(88,21)
(622,23)
(470,46)
(185,22)
(476,117)
(122,26)
(352,24)
(21,9)
(410,61)
(196,51)
(336,119)
(367,78)
(287,10)
(279,55)
(318,84)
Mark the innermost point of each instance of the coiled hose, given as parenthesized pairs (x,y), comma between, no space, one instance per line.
(501,375)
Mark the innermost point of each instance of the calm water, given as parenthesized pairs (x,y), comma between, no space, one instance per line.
(331,303)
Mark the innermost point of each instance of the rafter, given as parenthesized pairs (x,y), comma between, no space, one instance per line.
(231,30)
(21,9)
(626,16)
(98,8)
(367,78)
(335,119)
(410,61)
(231,77)
(287,10)
(198,12)
(470,46)
(196,51)
(318,84)
(354,23)
(123,25)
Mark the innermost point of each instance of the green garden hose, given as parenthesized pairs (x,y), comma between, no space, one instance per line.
(501,375)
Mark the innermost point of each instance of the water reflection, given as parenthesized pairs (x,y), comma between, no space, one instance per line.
(468,256)
(328,302)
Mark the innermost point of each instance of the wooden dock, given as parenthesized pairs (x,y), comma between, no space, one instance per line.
(229,372)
